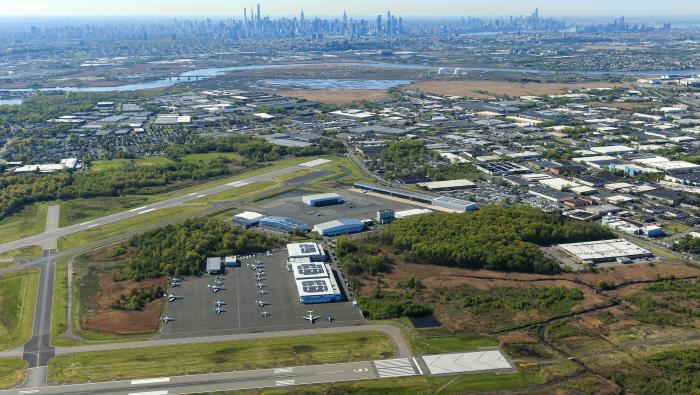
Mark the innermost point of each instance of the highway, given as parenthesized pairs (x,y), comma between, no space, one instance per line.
(41,239)
(231,381)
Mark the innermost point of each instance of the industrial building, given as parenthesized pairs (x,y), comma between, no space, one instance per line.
(447,185)
(283,224)
(247,219)
(214,265)
(386,216)
(312,251)
(314,280)
(339,227)
(323,199)
(409,213)
(232,261)
(593,252)
(438,201)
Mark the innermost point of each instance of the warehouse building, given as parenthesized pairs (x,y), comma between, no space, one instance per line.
(438,201)
(593,252)
(312,251)
(447,185)
(323,199)
(319,290)
(339,227)
(283,224)
(247,219)
(411,212)
(386,216)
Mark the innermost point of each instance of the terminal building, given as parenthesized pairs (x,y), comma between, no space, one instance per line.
(313,251)
(247,219)
(323,199)
(339,227)
(283,224)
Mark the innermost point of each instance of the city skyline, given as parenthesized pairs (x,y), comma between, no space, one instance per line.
(313,8)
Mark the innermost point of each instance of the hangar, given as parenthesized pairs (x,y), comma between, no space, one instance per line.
(313,251)
(322,199)
(247,219)
(339,227)
(319,290)
(283,224)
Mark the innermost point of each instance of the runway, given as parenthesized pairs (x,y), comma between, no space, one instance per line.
(232,381)
(42,238)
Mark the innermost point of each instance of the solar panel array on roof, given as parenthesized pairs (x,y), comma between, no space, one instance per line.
(308,248)
(314,286)
(308,269)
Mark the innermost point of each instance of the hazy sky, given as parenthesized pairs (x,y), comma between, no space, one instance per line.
(354,7)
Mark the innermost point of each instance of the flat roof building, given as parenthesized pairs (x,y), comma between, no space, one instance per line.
(339,227)
(319,290)
(214,265)
(313,251)
(447,185)
(283,224)
(247,219)
(604,251)
(322,199)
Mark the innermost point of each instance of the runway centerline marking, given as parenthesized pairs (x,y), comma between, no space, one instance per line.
(151,381)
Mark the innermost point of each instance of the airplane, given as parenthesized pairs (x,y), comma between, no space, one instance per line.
(262,292)
(219,310)
(329,318)
(215,288)
(219,303)
(172,298)
(261,285)
(311,317)
(219,283)
(269,253)
(166,319)
(265,314)
(220,278)
(262,303)
(176,279)
(175,284)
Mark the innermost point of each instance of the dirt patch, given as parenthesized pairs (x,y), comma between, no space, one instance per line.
(336,96)
(517,337)
(126,322)
(111,290)
(638,272)
(486,88)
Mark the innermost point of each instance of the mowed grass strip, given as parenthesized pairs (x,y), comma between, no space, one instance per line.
(30,221)
(24,252)
(218,357)
(12,372)
(59,309)
(17,299)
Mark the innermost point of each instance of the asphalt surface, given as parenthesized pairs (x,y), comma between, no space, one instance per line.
(208,383)
(42,238)
(194,315)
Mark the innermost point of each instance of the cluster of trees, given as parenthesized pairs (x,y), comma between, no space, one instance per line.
(494,238)
(356,259)
(381,305)
(687,244)
(21,190)
(405,158)
(138,298)
(182,249)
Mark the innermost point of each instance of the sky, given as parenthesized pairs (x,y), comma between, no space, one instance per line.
(354,7)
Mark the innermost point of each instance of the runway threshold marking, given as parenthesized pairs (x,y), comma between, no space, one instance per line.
(28,392)
(151,381)
(420,371)
(283,383)
(283,370)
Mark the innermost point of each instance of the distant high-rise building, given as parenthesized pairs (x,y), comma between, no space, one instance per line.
(379,24)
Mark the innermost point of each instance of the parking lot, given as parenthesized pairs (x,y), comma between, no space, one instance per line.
(195,316)
(357,205)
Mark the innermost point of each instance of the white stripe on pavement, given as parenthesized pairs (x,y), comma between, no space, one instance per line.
(284,383)
(138,208)
(283,370)
(420,371)
(396,372)
(164,392)
(392,363)
(147,211)
(151,381)
(28,392)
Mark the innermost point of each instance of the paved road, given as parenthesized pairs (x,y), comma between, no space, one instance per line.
(214,382)
(40,239)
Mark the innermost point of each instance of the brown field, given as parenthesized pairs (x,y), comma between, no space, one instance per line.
(480,89)
(622,106)
(123,322)
(336,96)
(616,47)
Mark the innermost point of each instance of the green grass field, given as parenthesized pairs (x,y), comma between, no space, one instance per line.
(28,222)
(130,224)
(59,312)
(112,164)
(17,299)
(12,372)
(218,357)
(82,210)
(210,156)
(24,252)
